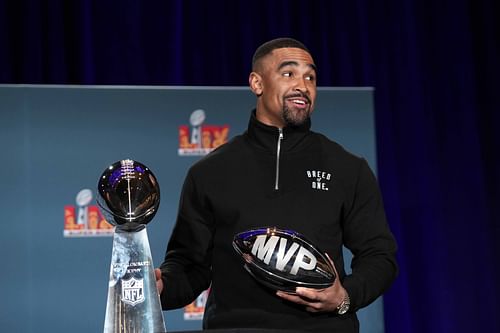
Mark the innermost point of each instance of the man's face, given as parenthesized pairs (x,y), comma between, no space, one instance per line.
(285,83)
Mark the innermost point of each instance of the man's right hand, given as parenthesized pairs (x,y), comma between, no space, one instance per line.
(159,281)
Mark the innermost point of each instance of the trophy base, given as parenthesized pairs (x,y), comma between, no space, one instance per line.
(133,302)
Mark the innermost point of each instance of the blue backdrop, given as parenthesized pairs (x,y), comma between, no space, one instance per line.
(57,141)
(435,69)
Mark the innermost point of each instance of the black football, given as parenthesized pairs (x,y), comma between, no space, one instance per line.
(283,259)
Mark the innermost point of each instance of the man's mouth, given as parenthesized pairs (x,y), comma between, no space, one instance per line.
(299,101)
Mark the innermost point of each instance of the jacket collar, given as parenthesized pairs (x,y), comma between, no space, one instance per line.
(266,137)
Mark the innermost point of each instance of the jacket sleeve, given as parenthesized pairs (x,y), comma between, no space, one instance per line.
(366,234)
(186,270)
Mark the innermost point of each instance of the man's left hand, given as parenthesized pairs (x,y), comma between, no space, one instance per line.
(318,300)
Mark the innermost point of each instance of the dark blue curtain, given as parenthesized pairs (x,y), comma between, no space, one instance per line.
(435,67)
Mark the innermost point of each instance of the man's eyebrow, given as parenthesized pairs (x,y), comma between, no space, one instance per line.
(294,63)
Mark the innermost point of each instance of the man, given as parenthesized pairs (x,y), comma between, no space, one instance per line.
(262,178)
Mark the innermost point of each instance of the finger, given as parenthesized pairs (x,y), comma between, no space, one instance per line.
(159,286)
(313,295)
(159,281)
(313,309)
(310,306)
(292,298)
(287,296)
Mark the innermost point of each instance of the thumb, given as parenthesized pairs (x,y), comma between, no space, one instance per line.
(159,280)
(157,274)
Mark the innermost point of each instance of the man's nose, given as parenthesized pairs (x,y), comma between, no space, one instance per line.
(301,85)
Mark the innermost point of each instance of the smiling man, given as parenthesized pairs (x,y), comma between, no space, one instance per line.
(285,82)
(263,178)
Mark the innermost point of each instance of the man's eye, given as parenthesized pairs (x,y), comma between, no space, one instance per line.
(287,74)
(310,77)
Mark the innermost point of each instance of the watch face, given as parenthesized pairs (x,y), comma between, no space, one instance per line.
(343,308)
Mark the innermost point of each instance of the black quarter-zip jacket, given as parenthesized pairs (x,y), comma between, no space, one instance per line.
(294,179)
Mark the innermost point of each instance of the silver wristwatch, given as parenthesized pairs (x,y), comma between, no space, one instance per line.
(344,306)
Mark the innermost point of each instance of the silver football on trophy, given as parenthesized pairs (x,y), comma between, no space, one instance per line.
(128,195)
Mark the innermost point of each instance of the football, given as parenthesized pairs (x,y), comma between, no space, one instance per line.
(283,259)
(128,194)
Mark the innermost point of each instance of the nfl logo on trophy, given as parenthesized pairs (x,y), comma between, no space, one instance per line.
(133,291)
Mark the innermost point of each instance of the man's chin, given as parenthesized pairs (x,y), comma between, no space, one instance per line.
(296,121)
(296,117)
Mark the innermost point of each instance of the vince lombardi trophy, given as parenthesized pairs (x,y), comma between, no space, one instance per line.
(128,197)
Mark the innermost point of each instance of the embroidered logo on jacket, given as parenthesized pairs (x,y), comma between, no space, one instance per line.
(319,179)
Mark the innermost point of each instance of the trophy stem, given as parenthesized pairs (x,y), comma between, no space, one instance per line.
(133,304)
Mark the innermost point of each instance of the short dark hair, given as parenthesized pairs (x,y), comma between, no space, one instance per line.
(274,44)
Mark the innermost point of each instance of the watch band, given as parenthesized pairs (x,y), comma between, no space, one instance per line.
(344,306)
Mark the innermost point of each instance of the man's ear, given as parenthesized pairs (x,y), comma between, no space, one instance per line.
(255,82)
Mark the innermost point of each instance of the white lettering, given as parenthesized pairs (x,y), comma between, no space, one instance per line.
(281,258)
(139,263)
(319,186)
(305,260)
(132,294)
(319,175)
(262,248)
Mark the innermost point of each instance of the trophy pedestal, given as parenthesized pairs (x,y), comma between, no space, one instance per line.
(133,302)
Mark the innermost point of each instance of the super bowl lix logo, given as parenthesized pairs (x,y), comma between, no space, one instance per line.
(133,291)
(199,139)
(196,309)
(85,220)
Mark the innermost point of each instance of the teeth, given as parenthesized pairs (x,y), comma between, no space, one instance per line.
(298,101)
